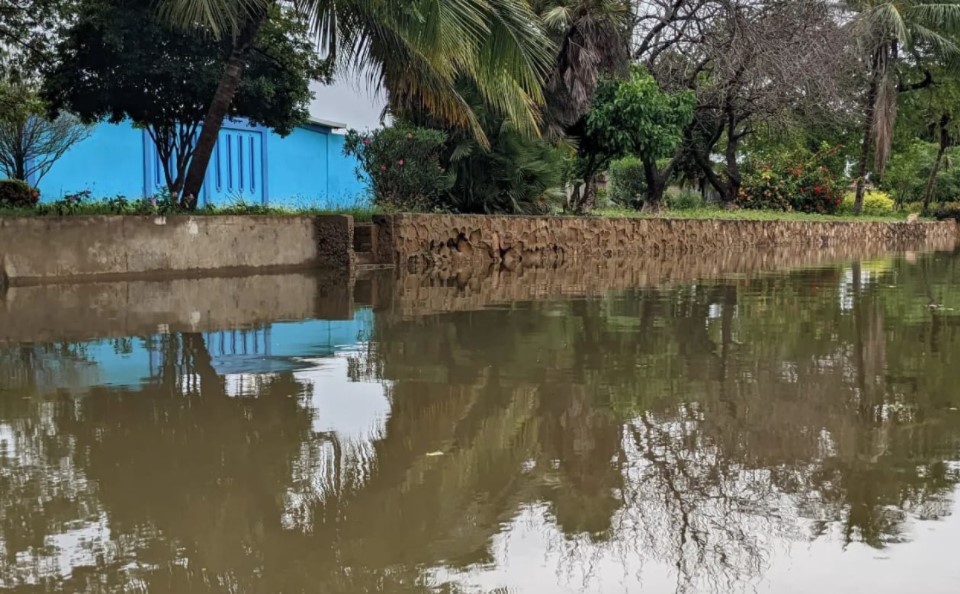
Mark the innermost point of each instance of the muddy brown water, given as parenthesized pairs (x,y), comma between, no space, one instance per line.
(750,429)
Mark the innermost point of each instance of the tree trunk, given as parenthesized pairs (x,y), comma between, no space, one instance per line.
(732,191)
(945,142)
(870,111)
(222,98)
(932,182)
(587,200)
(656,186)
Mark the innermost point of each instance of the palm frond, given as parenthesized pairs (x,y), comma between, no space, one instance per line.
(220,17)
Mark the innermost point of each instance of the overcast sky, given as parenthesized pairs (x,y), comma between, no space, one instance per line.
(348,101)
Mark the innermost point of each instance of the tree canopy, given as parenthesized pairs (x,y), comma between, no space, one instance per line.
(119,61)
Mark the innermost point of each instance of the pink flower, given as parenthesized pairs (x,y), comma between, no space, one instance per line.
(153,202)
(400,162)
(383,168)
(367,141)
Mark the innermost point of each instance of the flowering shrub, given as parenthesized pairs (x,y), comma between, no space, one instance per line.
(403,165)
(805,186)
(15,193)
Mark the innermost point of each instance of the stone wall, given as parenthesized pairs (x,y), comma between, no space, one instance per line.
(422,242)
(45,249)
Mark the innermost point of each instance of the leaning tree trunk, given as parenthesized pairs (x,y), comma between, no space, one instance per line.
(869,115)
(222,98)
(945,142)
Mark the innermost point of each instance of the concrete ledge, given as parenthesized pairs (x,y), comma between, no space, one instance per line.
(421,242)
(55,249)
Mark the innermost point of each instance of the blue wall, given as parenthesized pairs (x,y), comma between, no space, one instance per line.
(306,168)
(108,163)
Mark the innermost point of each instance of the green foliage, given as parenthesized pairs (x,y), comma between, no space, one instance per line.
(627,182)
(683,199)
(15,193)
(114,48)
(790,183)
(517,175)
(875,203)
(403,166)
(910,168)
(633,117)
(947,210)
(81,203)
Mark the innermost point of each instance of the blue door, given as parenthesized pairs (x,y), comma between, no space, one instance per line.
(237,169)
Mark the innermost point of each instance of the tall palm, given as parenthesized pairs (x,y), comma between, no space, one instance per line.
(884,30)
(416,51)
(592,38)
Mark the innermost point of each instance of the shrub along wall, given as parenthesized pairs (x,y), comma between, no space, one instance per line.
(417,242)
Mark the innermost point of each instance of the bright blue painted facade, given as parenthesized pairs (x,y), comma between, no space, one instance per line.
(305,168)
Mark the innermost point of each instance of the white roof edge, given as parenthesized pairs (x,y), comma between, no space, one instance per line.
(326,123)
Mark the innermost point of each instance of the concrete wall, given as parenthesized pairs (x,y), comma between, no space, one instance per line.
(46,249)
(420,242)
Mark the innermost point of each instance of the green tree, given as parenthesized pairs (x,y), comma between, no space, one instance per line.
(31,142)
(933,115)
(119,61)
(886,30)
(28,31)
(630,117)
(417,51)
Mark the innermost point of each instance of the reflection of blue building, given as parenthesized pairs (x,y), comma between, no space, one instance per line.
(271,348)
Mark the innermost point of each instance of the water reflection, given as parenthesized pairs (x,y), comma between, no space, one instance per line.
(777,432)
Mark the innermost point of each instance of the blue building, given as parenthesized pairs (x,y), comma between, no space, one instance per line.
(306,168)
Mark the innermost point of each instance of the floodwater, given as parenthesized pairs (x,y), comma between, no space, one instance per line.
(745,431)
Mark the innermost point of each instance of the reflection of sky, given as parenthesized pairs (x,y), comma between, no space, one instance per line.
(347,418)
(532,555)
(356,412)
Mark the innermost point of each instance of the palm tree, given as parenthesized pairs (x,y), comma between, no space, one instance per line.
(884,30)
(592,38)
(417,51)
